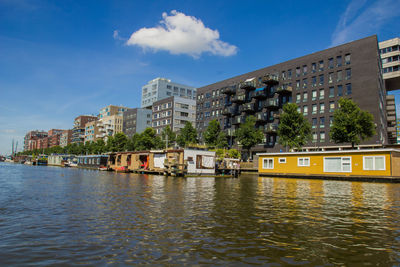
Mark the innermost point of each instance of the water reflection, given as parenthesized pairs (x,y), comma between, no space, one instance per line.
(53,216)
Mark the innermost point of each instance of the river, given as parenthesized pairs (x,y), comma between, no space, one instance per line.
(67,216)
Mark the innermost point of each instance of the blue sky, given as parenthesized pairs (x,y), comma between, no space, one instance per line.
(61,59)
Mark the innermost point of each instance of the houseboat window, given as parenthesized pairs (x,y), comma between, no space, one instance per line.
(337,164)
(303,162)
(282,160)
(98,161)
(268,163)
(374,163)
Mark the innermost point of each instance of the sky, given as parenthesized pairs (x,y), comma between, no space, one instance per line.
(62,59)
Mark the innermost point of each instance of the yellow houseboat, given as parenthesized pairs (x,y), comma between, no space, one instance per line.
(343,164)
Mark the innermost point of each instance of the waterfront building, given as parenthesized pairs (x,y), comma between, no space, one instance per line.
(136,120)
(378,163)
(111,110)
(160,88)
(30,139)
(108,126)
(314,82)
(54,136)
(91,130)
(173,111)
(65,138)
(78,132)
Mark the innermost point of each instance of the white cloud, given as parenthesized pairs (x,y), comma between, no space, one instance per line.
(182,34)
(362,19)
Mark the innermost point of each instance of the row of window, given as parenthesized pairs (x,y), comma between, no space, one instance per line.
(389,49)
(334,164)
(318,67)
(163,106)
(390,59)
(314,93)
(331,78)
(391,69)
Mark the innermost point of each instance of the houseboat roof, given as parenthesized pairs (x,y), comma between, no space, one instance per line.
(331,152)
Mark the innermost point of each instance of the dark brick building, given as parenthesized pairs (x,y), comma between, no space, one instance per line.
(314,82)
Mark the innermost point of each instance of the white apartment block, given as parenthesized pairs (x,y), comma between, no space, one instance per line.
(161,88)
(390,55)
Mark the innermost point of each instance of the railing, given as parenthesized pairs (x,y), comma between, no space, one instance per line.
(239,98)
(229,90)
(248,107)
(271,128)
(272,103)
(259,94)
(270,79)
(249,84)
(284,89)
(261,116)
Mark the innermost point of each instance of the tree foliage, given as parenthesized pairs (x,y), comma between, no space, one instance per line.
(247,135)
(211,133)
(351,124)
(294,130)
(187,135)
(147,140)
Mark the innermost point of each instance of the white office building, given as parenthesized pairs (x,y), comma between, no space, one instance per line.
(161,88)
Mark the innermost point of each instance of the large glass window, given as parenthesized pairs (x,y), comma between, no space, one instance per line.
(374,163)
(348,89)
(321,107)
(348,74)
(314,108)
(347,59)
(340,90)
(298,98)
(314,122)
(331,91)
(339,76)
(321,79)
(339,61)
(305,97)
(314,94)
(305,110)
(268,163)
(321,93)
(337,164)
(322,122)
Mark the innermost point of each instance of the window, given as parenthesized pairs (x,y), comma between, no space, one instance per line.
(314,109)
(314,81)
(297,71)
(268,163)
(321,93)
(337,164)
(340,90)
(348,89)
(298,84)
(305,110)
(314,137)
(331,106)
(322,136)
(314,94)
(374,163)
(305,83)
(305,70)
(322,122)
(321,107)
(330,120)
(298,97)
(339,76)
(338,61)
(321,79)
(303,162)
(298,109)
(283,75)
(313,67)
(289,74)
(282,160)
(314,122)
(348,74)
(321,65)
(331,91)
(347,59)
(330,77)
(330,63)
(305,97)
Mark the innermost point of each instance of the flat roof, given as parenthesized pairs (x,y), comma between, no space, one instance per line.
(330,152)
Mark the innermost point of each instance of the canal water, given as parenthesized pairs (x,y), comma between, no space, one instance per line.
(56,216)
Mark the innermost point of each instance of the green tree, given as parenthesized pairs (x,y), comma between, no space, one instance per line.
(222,140)
(211,133)
(148,140)
(247,135)
(294,130)
(351,124)
(120,141)
(187,135)
(234,153)
(168,134)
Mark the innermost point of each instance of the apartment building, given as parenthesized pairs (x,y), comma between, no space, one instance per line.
(173,111)
(30,139)
(314,82)
(161,88)
(111,110)
(65,138)
(91,130)
(78,132)
(136,120)
(391,119)
(390,55)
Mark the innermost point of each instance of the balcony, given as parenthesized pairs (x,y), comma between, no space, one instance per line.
(271,128)
(238,120)
(229,90)
(239,99)
(229,111)
(249,84)
(260,94)
(270,80)
(284,90)
(261,116)
(248,107)
(272,104)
